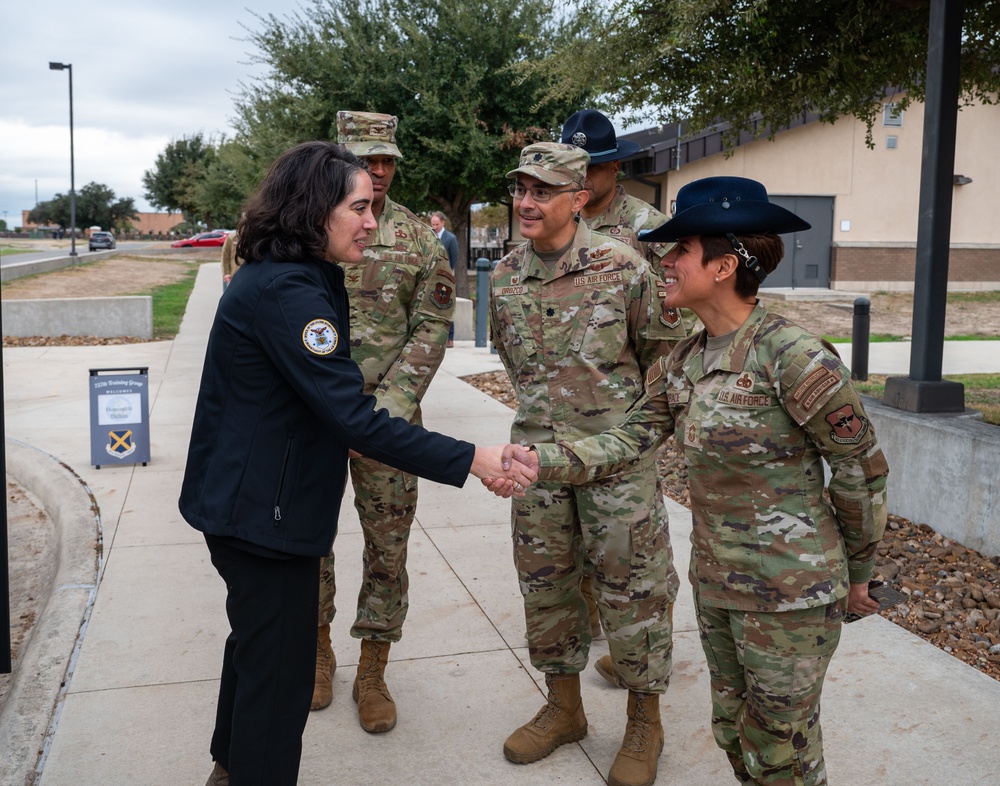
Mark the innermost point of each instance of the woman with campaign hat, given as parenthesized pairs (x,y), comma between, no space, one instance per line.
(756,403)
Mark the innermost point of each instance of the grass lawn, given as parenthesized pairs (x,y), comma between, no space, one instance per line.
(982,392)
(169,304)
(6,251)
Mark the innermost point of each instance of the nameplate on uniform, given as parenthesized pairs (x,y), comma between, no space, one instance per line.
(735,398)
(678,396)
(611,277)
(501,291)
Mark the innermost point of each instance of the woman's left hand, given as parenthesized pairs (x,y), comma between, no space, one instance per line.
(860,602)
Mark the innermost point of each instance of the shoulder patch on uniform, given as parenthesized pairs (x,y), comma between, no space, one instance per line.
(654,372)
(671,317)
(320,337)
(442,295)
(808,392)
(849,428)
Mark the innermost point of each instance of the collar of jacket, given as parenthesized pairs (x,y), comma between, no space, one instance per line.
(734,358)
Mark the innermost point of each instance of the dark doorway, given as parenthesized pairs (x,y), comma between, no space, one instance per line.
(807,254)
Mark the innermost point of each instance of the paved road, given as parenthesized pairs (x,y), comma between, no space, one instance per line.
(54,253)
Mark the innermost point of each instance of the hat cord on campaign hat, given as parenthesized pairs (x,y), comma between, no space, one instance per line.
(751,262)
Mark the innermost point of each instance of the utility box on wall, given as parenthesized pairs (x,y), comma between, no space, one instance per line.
(119,416)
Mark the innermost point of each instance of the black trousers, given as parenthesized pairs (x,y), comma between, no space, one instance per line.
(269,664)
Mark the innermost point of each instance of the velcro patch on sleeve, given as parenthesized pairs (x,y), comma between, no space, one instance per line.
(320,337)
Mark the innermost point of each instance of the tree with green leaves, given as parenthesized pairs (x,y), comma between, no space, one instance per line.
(96,205)
(174,180)
(227,181)
(757,64)
(444,67)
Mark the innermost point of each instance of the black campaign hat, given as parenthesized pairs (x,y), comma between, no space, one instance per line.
(721,205)
(592,131)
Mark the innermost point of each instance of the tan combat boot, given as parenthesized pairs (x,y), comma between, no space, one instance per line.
(604,667)
(219,776)
(326,665)
(561,720)
(376,709)
(635,764)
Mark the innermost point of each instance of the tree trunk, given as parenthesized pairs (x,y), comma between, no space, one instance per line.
(459,225)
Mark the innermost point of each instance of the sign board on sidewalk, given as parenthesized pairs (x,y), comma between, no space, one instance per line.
(119,416)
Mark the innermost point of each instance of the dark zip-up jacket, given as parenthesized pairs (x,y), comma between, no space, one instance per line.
(280,403)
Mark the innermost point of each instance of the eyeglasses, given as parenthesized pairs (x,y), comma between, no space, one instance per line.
(539,194)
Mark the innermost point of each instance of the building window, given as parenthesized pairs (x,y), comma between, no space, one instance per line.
(892,115)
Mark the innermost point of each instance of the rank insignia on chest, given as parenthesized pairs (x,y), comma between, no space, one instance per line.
(691,438)
(671,317)
(441,296)
(848,426)
(320,337)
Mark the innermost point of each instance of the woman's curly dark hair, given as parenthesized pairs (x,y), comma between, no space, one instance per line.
(286,217)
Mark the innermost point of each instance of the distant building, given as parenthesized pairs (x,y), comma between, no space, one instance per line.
(862,203)
(146,223)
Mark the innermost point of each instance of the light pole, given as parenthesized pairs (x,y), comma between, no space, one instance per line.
(72,173)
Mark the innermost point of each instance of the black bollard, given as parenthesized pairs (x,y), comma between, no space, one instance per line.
(482,300)
(859,339)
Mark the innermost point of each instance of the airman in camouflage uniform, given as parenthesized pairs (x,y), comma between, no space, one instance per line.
(576,320)
(610,211)
(774,563)
(402,301)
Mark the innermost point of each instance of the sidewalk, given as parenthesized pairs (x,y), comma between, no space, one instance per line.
(140,705)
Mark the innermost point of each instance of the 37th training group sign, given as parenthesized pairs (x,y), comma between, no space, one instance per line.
(119,416)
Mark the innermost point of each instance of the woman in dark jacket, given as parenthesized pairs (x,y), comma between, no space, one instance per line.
(279,407)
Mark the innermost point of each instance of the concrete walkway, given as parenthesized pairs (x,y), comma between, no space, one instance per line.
(139,704)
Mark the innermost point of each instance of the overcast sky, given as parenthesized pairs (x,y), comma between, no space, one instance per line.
(144,73)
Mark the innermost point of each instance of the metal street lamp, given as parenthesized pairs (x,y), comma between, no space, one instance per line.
(72,173)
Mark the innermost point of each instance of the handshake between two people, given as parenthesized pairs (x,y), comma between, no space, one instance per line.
(506,470)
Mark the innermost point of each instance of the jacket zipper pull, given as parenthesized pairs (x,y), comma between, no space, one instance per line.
(277,513)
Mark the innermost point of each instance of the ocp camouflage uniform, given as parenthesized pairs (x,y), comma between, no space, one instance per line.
(402,301)
(576,340)
(625,217)
(771,556)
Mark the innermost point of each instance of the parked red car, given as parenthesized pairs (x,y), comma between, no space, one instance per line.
(214,238)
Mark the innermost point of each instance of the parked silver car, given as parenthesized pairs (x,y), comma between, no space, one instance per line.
(101,240)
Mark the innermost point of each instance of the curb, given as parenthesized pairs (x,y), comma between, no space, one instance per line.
(45,669)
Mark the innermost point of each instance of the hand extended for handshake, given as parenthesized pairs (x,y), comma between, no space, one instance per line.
(506,469)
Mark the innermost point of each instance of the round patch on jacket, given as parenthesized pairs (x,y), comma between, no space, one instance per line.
(320,337)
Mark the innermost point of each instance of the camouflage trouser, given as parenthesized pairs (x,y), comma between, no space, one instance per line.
(386,500)
(619,525)
(767,674)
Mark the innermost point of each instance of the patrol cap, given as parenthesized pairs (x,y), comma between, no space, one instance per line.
(368,133)
(554,163)
(720,205)
(592,131)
